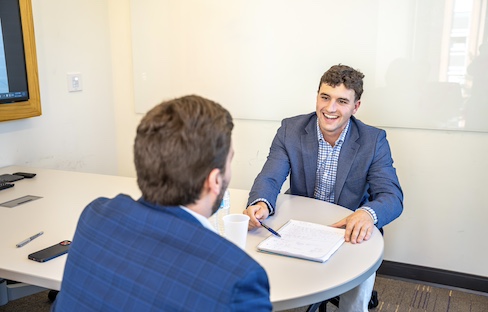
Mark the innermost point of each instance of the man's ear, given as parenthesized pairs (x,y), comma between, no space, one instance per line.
(356,106)
(214,181)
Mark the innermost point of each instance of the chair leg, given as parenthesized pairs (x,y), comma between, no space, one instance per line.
(314,307)
(322,306)
(52,295)
(335,301)
(373,302)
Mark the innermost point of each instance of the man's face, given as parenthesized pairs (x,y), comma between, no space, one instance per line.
(334,108)
(225,180)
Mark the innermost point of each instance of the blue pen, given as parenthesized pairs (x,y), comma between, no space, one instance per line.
(270,229)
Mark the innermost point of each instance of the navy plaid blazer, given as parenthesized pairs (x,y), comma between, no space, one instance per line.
(131,255)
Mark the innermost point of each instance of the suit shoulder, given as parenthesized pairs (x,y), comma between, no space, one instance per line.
(299,119)
(298,124)
(104,204)
(365,128)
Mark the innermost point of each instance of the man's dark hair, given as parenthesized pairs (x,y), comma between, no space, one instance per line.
(178,143)
(343,74)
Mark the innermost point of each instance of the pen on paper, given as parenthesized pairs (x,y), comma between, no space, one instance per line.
(270,229)
(27,240)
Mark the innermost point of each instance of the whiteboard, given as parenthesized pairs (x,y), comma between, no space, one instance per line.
(263,59)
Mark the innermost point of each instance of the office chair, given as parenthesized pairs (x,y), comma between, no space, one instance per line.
(322,306)
(10,290)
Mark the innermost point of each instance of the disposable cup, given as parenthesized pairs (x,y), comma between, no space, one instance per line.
(235,229)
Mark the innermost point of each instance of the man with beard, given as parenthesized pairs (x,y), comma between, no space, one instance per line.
(160,252)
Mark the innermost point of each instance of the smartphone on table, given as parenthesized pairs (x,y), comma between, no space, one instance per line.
(51,252)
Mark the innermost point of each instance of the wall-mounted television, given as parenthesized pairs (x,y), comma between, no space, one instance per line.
(19,85)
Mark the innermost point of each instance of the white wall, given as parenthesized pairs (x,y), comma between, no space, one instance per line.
(442,172)
(443,177)
(76,130)
(270,53)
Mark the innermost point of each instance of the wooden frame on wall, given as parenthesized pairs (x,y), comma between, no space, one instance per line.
(31,107)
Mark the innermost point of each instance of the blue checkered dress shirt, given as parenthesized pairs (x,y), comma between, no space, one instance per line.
(327,160)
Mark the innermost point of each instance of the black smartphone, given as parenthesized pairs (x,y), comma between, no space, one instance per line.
(51,252)
(26,175)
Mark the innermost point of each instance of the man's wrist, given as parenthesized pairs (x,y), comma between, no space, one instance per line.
(264,201)
(371,213)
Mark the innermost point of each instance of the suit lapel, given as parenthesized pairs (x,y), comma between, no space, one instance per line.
(346,158)
(310,149)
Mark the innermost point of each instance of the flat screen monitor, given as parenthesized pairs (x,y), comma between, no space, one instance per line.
(13,74)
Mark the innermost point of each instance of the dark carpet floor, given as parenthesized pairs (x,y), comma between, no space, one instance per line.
(394,296)
(410,296)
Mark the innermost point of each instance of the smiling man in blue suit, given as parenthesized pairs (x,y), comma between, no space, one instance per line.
(332,156)
(160,253)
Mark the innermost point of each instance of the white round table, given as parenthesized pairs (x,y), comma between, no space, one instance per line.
(296,282)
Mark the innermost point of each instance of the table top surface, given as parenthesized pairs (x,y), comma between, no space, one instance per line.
(64,195)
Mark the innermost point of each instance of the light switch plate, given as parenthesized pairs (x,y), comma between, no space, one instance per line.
(75,82)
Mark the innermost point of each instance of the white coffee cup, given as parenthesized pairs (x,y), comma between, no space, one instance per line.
(235,229)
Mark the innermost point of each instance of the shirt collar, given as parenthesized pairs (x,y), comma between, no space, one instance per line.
(341,137)
(204,221)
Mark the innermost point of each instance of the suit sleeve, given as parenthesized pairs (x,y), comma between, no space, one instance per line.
(269,181)
(386,196)
(252,293)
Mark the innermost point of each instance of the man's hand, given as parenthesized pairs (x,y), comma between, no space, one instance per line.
(359,226)
(257,212)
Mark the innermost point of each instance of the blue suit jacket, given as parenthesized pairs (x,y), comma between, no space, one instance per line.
(134,256)
(365,172)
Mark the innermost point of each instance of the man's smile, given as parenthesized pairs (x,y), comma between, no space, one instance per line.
(330,116)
